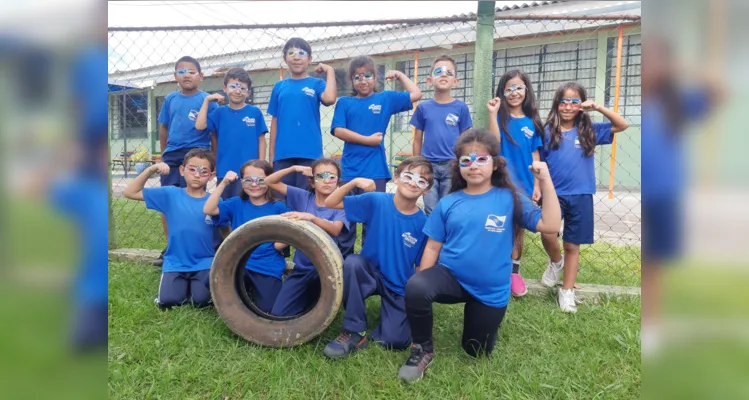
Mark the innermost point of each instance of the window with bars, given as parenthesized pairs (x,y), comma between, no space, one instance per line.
(463,91)
(261,99)
(630,101)
(548,66)
(130,116)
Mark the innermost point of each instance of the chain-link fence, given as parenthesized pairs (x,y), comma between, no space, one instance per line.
(550,49)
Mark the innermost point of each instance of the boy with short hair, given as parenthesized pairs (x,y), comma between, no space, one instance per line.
(438,122)
(177,132)
(239,128)
(295,134)
(190,245)
(387,260)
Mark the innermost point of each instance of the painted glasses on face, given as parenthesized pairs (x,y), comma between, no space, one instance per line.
(326,177)
(472,157)
(440,71)
(414,178)
(250,181)
(198,170)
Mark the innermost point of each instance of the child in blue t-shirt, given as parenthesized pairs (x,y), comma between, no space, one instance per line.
(265,267)
(295,135)
(387,259)
(467,255)
(239,128)
(437,124)
(569,144)
(190,246)
(513,119)
(177,132)
(361,122)
(301,289)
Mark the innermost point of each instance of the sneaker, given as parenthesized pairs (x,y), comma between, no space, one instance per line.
(159,261)
(567,300)
(517,287)
(345,344)
(550,278)
(417,363)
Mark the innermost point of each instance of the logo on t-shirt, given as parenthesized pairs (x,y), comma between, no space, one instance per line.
(208,220)
(193,115)
(376,108)
(409,240)
(452,119)
(495,223)
(577,143)
(309,92)
(527,131)
(249,121)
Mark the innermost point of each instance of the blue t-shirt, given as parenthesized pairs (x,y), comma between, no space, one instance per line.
(304,201)
(663,149)
(296,105)
(237,132)
(84,200)
(88,73)
(571,171)
(520,155)
(476,232)
(190,245)
(235,212)
(395,241)
(178,114)
(367,116)
(442,124)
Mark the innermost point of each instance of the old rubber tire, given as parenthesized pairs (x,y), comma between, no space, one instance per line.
(229,263)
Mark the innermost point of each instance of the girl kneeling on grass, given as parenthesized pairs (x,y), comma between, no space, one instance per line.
(569,144)
(266,265)
(301,289)
(467,258)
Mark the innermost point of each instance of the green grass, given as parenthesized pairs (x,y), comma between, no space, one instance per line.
(600,263)
(187,353)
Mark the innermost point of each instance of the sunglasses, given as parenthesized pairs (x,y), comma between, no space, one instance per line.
(514,89)
(296,53)
(573,101)
(479,159)
(367,76)
(184,71)
(253,180)
(440,71)
(237,86)
(412,177)
(326,177)
(198,170)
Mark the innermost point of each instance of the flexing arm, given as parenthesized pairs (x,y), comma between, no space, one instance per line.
(408,84)
(551,213)
(332,228)
(350,136)
(536,186)
(431,254)
(335,199)
(274,180)
(201,122)
(618,122)
(134,189)
(329,95)
(211,205)
(493,106)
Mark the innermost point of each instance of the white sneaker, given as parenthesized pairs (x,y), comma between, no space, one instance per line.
(550,277)
(567,300)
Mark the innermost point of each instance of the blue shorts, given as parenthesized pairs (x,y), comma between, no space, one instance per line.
(233,189)
(577,213)
(174,159)
(661,229)
(178,288)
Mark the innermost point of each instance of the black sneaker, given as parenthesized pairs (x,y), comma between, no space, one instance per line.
(417,363)
(345,344)
(159,261)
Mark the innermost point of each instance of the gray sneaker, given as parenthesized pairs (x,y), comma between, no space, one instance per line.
(345,344)
(550,277)
(417,363)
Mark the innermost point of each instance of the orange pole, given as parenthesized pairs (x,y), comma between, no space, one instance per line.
(616,106)
(416,81)
(281,72)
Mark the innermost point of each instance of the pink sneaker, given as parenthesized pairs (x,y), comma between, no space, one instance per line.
(517,287)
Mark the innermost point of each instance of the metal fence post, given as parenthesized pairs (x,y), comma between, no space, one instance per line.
(482,63)
(110,215)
